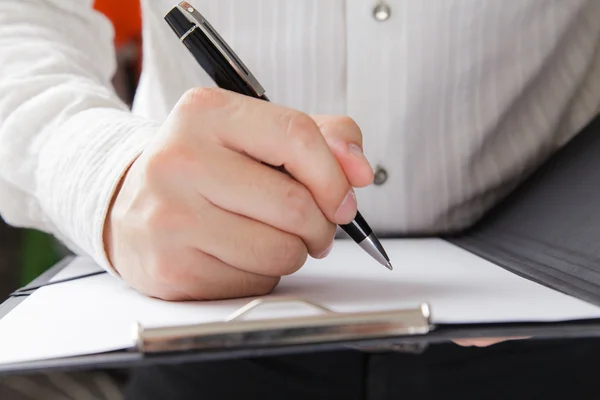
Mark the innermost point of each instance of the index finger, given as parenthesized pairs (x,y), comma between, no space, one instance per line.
(278,136)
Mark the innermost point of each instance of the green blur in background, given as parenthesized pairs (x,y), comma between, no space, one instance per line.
(39,251)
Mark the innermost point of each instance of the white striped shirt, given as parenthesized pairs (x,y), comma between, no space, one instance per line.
(458,100)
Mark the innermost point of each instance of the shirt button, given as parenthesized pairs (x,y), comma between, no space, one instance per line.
(382,11)
(381,176)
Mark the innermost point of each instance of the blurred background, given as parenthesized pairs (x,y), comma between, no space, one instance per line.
(24,253)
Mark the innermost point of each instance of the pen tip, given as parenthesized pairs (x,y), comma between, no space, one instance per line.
(389,266)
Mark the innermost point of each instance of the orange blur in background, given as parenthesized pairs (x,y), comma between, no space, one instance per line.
(126,18)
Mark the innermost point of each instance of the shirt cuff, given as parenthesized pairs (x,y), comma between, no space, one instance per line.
(80,168)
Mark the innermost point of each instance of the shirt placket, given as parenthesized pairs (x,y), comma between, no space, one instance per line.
(374,90)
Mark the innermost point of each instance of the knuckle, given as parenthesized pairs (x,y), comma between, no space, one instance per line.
(347,122)
(156,171)
(170,161)
(263,254)
(155,165)
(349,125)
(294,254)
(344,126)
(164,293)
(328,236)
(265,286)
(283,259)
(204,98)
(298,204)
(164,272)
(157,219)
(301,129)
(163,219)
(288,256)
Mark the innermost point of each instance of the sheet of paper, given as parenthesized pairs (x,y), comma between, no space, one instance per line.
(98,314)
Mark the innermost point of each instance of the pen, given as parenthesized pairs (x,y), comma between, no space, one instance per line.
(228,72)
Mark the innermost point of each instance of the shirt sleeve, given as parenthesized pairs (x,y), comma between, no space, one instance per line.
(65,136)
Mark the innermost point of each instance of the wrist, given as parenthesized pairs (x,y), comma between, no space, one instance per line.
(80,170)
(109,220)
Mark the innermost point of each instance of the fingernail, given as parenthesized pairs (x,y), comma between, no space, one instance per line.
(347,210)
(327,251)
(356,150)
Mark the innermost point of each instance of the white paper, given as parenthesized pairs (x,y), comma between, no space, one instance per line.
(98,314)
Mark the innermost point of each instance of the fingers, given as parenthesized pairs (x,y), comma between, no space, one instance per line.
(244,243)
(199,218)
(209,253)
(277,136)
(199,276)
(236,183)
(345,141)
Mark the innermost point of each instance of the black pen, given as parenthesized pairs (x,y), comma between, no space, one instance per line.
(228,72)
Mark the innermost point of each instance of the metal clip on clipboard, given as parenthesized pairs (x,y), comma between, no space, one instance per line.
(329,326)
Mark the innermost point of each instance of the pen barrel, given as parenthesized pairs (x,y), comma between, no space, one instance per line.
(229,73)
(178,22)
(358,229)
(212,61)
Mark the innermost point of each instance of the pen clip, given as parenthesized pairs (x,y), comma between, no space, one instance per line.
(199,22)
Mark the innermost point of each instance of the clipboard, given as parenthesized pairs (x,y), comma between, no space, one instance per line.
(409,330)
(405,330)
(328,327)
(501,238)
(531,250)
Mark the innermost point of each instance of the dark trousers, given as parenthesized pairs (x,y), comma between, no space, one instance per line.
(527,369)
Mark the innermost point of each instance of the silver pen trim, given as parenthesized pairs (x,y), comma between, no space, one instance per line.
(368,245)
(192,29)
(196,18)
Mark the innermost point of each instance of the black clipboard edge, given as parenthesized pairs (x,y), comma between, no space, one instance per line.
(9,304)
(443,333)
(130,358)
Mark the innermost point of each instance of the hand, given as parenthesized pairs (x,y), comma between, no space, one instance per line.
(199,216)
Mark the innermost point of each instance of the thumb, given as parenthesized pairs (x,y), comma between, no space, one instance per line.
(345,142)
